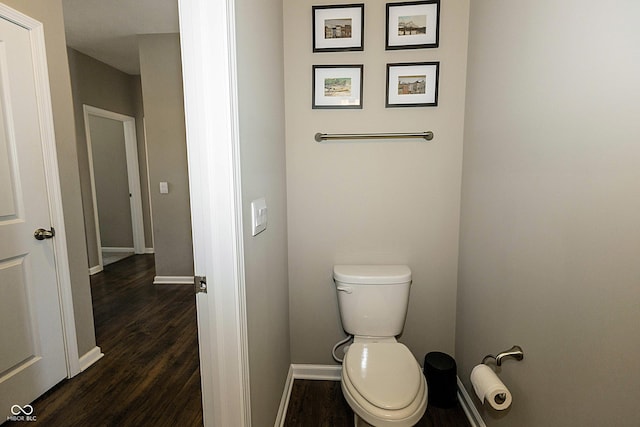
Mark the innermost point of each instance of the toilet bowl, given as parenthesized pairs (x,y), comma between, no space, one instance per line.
(383,384)
(381,380)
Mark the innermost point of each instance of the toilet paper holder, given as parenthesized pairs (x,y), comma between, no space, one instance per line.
(514,352)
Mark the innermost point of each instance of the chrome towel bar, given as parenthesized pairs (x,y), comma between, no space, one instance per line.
(320,137)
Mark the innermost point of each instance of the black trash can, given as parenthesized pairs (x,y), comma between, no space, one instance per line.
(440,370)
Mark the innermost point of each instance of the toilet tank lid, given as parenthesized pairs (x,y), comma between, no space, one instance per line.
(372,274)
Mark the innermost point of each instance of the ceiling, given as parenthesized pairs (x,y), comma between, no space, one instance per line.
(106,29)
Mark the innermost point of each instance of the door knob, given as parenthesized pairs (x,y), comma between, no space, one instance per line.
(41,233)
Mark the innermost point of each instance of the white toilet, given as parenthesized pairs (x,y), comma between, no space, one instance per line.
(381,380)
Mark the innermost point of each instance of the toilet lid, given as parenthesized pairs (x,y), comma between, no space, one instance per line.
(385,374)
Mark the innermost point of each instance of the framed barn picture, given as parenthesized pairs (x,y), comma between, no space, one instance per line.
(413,84)
(338,28)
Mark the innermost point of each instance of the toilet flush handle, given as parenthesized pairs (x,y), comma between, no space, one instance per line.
(345,289)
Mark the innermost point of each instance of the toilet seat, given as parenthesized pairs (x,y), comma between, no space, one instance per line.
(383,384)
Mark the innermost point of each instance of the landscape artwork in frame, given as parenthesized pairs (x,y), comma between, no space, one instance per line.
(413,84)
(338,28)
(337,86)
(413,25)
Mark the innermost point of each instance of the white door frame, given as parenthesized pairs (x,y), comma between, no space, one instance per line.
(211,114)
(133,172)
(52,177)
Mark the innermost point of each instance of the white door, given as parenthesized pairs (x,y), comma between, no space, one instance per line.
(32,353)
(211,113)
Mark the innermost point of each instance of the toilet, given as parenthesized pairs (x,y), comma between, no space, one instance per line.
(381,380)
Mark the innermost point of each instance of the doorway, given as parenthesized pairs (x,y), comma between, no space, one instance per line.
(115,184)
(152,94)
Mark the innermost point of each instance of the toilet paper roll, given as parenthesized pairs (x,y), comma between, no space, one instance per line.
(488,387)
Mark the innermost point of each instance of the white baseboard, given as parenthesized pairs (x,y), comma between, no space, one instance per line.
(116,249)
(284,401)
(316,372)
(333,373)
(149,251)
(90,357)
(95,269)
(173,280)
(469,408)
(304,372)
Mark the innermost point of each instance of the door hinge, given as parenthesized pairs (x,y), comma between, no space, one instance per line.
(200,283)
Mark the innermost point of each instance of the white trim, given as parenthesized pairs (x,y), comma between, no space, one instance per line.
(146,159)
(284,400)
(304,372)
(468,407)
(90,357)
(173,280)
(52,177)
(95,269)
(133,174)
(149,251)
(317,372)
(116,249)
(211,116)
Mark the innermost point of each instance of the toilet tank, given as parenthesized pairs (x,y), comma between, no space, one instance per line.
(372,299)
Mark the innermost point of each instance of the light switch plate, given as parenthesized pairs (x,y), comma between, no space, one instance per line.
(164,187)
(258,216)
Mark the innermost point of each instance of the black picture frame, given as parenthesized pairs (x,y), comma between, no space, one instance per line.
(329,86)
(412,84)
(342,36)
(421,18)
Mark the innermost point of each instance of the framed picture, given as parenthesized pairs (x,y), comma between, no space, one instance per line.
(413,84)
(337,86)
(338,28)
(413,25)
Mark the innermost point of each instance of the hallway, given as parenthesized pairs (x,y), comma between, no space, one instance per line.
(149,375)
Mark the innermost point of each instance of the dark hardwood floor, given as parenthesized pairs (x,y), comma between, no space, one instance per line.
(149,375)
(321,404)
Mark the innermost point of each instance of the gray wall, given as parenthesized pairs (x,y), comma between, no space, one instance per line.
(550,208)
(261,108)
(111,182)
(161,75)
(100,85)
(373,202)
(49,12)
